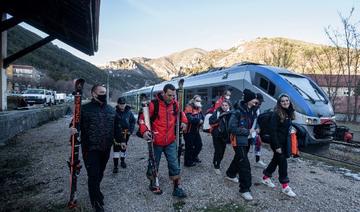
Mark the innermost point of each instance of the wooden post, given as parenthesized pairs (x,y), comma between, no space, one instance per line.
(3,53)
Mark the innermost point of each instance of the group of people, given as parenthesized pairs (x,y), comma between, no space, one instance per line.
(102,127)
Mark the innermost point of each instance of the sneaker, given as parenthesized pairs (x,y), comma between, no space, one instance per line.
(123,164)
(234,179)
(261,164)
(115,170)
(247,196)
(268,183)
(217,171)
(179,192)
(155,189)
(288,191)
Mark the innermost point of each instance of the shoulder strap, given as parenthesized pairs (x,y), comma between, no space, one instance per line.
(156,110)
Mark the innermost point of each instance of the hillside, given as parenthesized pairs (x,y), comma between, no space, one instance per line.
(59,64)
(262,50)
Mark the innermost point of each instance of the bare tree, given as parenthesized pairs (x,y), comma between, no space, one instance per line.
(281,54)
(346,43)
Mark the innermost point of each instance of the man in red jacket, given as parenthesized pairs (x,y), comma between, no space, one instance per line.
(163,129)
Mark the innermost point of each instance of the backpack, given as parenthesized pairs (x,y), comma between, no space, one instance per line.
(155,114)
(263,121)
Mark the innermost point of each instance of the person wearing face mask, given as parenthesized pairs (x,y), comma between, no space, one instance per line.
(240,127)
(219,121)
(124,127)
(193,143)
(163,135)
(280,126)
(97,134)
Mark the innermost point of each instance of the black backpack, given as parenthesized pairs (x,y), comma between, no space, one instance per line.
(263,121)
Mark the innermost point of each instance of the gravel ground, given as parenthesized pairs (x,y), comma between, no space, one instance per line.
(34,176)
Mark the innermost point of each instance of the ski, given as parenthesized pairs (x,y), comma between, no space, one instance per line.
(152,161)
(180,99)
(74,162)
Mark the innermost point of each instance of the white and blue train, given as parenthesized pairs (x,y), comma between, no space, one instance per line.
(315,117)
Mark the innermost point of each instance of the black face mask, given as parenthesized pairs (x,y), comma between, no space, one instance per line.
(101,98)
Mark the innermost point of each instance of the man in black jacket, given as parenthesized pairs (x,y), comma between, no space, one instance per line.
(97,134)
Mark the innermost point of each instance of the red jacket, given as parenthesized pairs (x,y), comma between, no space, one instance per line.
(216,105)
(163,127)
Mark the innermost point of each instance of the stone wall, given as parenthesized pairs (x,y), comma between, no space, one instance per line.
(15,122)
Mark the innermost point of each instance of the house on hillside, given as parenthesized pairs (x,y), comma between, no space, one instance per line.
(21,76)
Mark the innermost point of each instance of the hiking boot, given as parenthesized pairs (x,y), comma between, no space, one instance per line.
(155,189)
(115,170)
(123,164)
(179,192)
(247,196)
(217,171)
(232,179)
(268,183)
(288,191)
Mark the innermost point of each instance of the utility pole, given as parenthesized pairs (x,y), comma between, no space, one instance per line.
(108,86)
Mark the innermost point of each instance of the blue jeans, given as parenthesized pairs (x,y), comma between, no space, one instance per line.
(170,152)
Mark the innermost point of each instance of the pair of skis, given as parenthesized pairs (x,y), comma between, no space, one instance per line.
(74,162)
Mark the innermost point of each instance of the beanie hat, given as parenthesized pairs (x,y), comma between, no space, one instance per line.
(121,100)
(260,97)
(249,95)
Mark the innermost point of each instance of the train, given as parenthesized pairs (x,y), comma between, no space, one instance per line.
(315,117)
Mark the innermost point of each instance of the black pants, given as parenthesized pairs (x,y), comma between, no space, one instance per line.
(95,164)
(280,161)
(240,164)
(219,147)
(193,146)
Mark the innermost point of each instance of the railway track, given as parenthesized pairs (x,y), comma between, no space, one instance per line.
(331,160)
(355,144)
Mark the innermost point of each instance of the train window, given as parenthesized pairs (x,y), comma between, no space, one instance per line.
(268,86)
(264,83)
(271,89)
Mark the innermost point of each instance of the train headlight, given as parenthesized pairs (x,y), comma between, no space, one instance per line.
(311,121)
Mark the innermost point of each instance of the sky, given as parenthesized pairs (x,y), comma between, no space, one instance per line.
(155,28)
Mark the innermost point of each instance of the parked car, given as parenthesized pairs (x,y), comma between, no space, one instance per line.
(38,96)
(60,97)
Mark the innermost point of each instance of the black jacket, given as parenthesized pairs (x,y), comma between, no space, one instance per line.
(240,123)
(279,132)
(124,120)
(97,126)
(221,119)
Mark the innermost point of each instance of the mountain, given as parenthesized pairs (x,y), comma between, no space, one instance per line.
(59,64)
(288,53)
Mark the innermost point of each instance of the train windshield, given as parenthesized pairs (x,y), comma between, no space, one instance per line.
(305,87)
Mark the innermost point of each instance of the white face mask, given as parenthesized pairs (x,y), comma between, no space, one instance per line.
(227,97)
(198,104)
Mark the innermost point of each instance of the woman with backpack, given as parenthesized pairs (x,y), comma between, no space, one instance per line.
(219,121)
(280,126)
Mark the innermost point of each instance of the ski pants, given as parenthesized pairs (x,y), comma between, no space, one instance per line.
(278,160)
(193,146)
(95,163)
(219,147)
(241,165)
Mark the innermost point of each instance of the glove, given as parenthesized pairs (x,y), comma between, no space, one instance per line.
(147,135)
